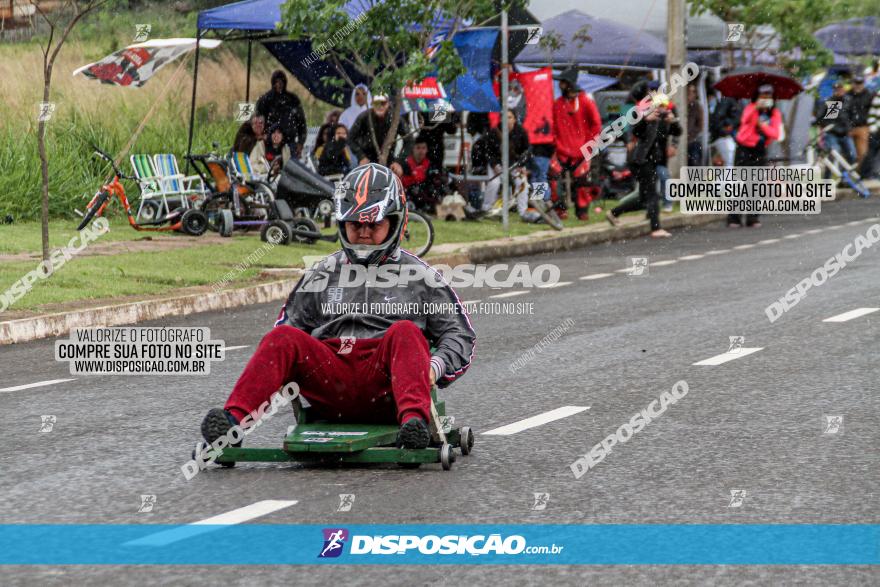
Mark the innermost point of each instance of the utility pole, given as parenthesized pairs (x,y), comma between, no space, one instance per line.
(676,54)
(505,140)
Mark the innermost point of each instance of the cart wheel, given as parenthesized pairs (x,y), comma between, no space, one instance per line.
(201,446)
(307,224)
(447,456)
(194,222)
(466,436)
(225,223)
(409,465)
(276,232)
(150,211)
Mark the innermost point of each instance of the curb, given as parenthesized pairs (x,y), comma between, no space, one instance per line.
(52,325)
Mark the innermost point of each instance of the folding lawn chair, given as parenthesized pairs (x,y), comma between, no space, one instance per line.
(173,182)
(150,185)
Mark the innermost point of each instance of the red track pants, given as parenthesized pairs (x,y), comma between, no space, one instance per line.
(373,380)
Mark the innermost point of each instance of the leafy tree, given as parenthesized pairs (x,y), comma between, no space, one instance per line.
(388,42)
(60,21)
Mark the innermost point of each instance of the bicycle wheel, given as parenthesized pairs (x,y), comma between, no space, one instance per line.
(855,184)
(96,204)
(419,235)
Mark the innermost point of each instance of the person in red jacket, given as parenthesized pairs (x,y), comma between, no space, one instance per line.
(759,125)
(576,121)
(418,174)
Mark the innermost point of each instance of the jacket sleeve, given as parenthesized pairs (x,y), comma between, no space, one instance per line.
(354,138)
(299,123)
(451,336)
(302,309)
(592,118)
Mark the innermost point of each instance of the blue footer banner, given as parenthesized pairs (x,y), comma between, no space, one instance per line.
(279,544)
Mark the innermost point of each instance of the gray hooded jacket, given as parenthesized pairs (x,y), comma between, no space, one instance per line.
(337,298)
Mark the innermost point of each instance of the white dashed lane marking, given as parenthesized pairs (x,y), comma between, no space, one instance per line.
(510,294)
(691,257)
(552,285)
(769,241)
(32,385)
(718,252)
(663,263)
(791,236)
(235,348)
(239,516)
(743,247)
(729,356)
(595,276)
(814,231)
(852,314)
(535,421)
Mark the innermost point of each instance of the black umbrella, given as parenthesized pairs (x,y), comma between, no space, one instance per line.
(744,83)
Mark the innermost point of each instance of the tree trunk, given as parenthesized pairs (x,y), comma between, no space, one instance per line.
(392,133)
(44,162)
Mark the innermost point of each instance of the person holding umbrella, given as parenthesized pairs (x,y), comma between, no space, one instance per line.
(759,125)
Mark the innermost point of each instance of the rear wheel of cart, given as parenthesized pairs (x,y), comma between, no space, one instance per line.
(225,222)
(194,222)
(276,232)
(304,224)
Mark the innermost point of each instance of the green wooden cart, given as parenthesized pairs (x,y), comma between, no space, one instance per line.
(327,442)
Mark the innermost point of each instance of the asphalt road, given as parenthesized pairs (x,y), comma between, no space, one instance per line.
(756,423)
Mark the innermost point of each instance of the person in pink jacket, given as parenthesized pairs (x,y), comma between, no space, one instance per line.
(759,125)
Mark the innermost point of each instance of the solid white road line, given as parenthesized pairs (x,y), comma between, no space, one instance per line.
(854,222)
(814,231)
(663,263)
(535,421)
(552,285)
(852,314)
(510,294)
(235,348)
(729,356)
(691,257)
(239,516)
(595,276)
(32,385)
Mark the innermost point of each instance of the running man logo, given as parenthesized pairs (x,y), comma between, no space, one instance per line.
(638,266)
(147,503)
(245,111)
(47,423)
(832,109)
(737,497)
(438,111)
(142,32)
(46,110)
(833,424)
(735,31)
(736,343)
(346,345)
(334,541)
(446,423)
(346,501)
(535,33)
(541,501)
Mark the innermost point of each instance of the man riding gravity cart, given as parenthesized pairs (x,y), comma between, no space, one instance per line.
(351,364)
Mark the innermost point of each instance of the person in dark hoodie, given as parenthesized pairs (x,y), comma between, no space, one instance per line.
(283,108)
(644,161)
(369,130)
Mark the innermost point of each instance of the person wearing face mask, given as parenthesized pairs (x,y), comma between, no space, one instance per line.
(759,125)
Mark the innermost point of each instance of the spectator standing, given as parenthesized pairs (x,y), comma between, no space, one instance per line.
(760,125)
(249,134)
(860,99)
(334,156)
(360,101)
(284,109)
(666,144)
(644,160)
(723,120)
(576,121)
(694,127)
(869,165)
(368,134)
(836,113)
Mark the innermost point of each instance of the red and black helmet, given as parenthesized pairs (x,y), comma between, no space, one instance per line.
(371,193)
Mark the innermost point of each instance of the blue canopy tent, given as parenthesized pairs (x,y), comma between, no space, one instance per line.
(257,20)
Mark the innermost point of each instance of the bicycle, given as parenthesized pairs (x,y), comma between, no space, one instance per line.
(833,162)
(190,221)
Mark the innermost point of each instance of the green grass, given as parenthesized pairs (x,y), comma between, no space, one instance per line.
(157,272)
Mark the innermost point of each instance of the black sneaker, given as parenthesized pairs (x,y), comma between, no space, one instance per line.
(216,424)
(414,434)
